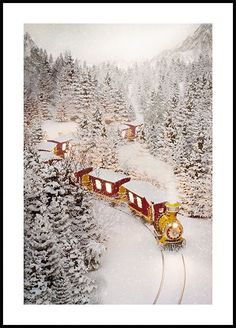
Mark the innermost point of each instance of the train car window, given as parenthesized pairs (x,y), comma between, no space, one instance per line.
(64,146)
(139,202)
(98,184)
(131,197)
(108,187)
(161,209)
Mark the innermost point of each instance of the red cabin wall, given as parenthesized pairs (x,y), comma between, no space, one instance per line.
(120,183)
(103,189)
(114,186)
(81,173)
(58,147)
(145,205)
(61,152)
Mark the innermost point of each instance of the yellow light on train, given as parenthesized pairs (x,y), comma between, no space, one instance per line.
(175,225)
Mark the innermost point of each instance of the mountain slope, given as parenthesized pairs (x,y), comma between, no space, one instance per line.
(199,43)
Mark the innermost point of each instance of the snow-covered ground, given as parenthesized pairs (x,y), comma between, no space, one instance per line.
(132,265)
(198,257)
(56,129)
(130,272)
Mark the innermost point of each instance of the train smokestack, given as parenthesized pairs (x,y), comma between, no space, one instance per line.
(172,208)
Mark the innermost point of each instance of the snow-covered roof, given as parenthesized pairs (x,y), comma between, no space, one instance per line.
(46,156)
(80,167)
(63,138)
(124,127)
(46,146)
(147,190)
(135,123)
(107,175)
(127,125)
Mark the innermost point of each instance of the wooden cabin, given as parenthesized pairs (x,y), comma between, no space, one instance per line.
(108,183)
(145,199)
(61,146)
(130,131)
(81,175)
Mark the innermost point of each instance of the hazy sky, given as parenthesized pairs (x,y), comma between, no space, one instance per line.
(96,43)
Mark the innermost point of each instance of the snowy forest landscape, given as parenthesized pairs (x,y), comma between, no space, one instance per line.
(79,249)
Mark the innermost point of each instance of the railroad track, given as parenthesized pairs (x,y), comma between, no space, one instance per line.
(162,279)
(160,288)
(184,280)
(163,272)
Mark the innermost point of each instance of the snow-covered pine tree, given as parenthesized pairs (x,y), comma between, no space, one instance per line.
(61,289)
(195,146)
(87,91)
(170,130)
(36,132)
(154,123)
(46,87)
(110,154)
(50,196)
(41,267)
(50,60)
(57,67)
(32,67)
(66,77)
(120,110)
(31,108)
(107,97)
(83,288)
(85,230)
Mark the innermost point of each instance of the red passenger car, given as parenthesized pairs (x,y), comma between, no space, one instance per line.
(145,199)
(107,182)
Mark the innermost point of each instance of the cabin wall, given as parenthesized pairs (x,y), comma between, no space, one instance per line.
(114,186)
(79,175)
(134,205)
(58,149)
(103,187)
(120,183)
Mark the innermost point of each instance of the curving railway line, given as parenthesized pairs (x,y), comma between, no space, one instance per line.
(164,279)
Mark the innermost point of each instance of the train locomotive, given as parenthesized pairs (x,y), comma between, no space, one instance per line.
(143,199)
(168,227)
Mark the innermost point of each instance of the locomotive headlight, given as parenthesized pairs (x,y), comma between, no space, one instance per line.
(174,230)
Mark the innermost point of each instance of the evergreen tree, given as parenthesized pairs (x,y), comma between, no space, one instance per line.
(51,199)
(153,123)
(193,162)
(61,289)
(43,264)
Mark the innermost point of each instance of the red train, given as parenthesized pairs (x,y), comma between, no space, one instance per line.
(143,199)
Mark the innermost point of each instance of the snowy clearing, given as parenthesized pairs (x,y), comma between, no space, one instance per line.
(131,267)
(198,257)
(130,272)
(56,129)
